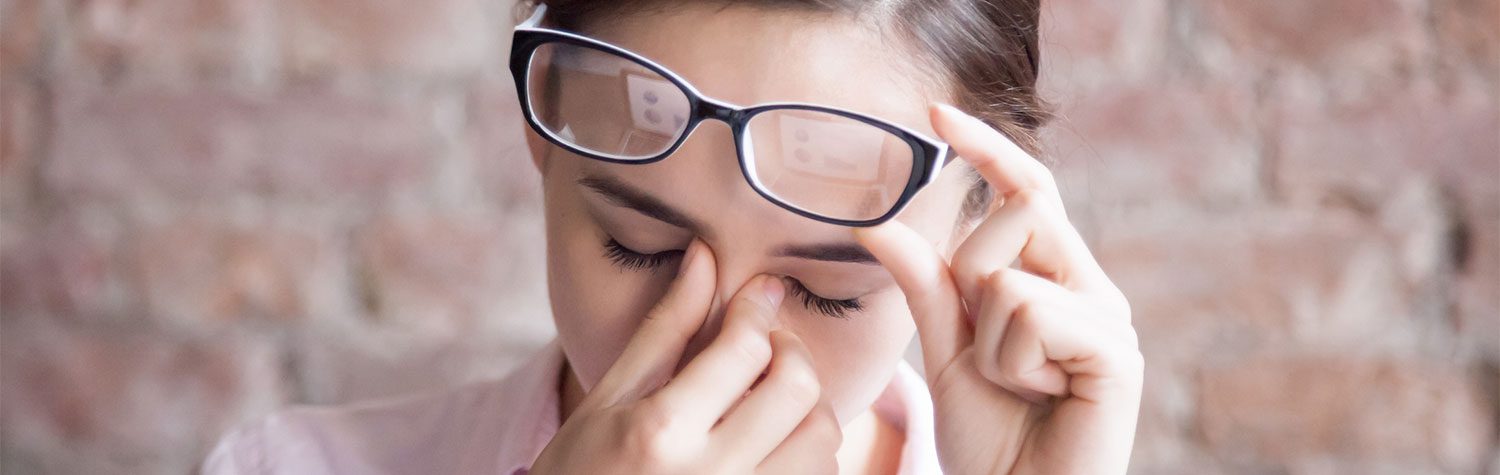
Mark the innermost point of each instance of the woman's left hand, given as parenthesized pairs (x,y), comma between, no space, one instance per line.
(1034,369)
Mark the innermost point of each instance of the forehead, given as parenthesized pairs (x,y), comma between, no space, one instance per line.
(750,55)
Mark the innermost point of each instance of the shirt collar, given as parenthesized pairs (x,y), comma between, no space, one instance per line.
(531,415)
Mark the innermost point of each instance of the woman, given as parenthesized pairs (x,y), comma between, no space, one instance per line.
(751,207)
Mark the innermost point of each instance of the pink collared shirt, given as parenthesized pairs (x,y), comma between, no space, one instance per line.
(493,427)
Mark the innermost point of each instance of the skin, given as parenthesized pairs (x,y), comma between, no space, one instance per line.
(1043,376)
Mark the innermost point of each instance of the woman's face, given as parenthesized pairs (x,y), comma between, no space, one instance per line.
(602,217)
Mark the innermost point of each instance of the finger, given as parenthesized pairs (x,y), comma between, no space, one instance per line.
(719,376)
(924,278)
(811,448)
(1052,346)
(656,347)
(1028,229)
(1002,163)
(774,407)
(1008,291)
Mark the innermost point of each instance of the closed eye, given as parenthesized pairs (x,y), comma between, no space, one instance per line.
(830,307)
(631,260)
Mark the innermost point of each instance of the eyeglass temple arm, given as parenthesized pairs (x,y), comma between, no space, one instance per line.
(535,18)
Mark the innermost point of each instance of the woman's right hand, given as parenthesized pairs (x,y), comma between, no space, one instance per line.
(641,418)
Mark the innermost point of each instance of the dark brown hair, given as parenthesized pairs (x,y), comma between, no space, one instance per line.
(986,50)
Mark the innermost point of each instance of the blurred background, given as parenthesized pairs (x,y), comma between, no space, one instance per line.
(210,209)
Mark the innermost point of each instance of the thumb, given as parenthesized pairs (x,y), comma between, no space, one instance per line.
(922,274)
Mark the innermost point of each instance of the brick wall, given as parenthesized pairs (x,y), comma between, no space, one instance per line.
(212,208)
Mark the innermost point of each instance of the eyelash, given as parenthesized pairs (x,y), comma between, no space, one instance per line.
(628,259)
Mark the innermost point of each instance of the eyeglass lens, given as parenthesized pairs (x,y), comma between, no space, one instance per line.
(612,106)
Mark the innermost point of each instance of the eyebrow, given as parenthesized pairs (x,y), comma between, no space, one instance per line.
(621,194)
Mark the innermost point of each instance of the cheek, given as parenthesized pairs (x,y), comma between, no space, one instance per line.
(856,358)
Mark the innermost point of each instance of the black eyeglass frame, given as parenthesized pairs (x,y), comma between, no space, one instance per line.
(928,155)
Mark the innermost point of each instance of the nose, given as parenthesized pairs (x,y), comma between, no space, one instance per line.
(733,275)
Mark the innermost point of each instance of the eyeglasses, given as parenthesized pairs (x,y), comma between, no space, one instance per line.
(604,102)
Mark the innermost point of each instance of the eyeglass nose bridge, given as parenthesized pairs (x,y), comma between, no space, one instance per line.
(712,109)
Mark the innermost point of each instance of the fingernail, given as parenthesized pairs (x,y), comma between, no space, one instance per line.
(948,108)
(773,290)
(958,113)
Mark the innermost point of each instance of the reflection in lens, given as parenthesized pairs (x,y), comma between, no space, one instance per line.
(827,164)
(604,103)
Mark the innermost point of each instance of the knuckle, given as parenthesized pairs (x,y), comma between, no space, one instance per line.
(1006,372)
(1023,322)
(988,366)
(995,283)
(1127,372)
(647,429)
(1024,317)
(968,271)
(1025,199)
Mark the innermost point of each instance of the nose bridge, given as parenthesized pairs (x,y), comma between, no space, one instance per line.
(729,284)
(731,277)
(733,274)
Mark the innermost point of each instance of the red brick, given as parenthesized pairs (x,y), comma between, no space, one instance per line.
(496,158)
(214,145)
(1467,36)
(1478,288)
(1274,184)
(1098,43)
(1139,145)
(1293,408)
(1360,150)
(63,265)
(1162,443)
(1321,35)
(1216,286)
(21,123)
(351,37)
(446,273)
(113,400)
(204,269)
(176,41)
(22,33)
